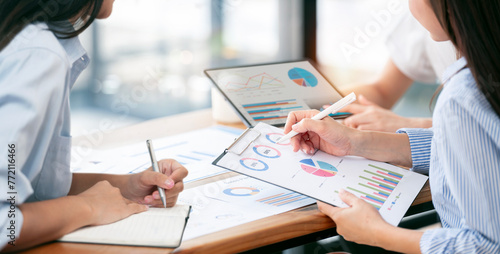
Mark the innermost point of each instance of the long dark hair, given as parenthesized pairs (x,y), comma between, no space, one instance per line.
(16,14)
(474,27)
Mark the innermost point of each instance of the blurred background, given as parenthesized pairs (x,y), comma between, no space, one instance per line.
(148,57)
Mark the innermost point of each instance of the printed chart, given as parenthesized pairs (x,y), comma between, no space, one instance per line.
(234,201)
(389,188)
(318,168)
(302,77)
(258,195)
(376,185)
(254,164)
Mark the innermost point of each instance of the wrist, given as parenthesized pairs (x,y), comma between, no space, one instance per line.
(357,142)
(421,122)
(86,210)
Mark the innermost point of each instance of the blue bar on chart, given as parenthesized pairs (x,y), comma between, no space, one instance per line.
(271,110)
(282,199)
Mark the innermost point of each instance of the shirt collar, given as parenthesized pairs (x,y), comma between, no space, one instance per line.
(454,69)
(72,46)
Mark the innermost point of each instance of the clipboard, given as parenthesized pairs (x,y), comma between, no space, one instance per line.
(388,188)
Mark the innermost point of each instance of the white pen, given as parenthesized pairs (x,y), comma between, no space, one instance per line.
(156,169)
(330,110)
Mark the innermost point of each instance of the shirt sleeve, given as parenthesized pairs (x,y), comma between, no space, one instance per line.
(468,152)
(31,91)
(420,145)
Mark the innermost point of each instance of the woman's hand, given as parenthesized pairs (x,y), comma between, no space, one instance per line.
(369,116)
(326,134)
(143,187)
(107,204)
(360,222)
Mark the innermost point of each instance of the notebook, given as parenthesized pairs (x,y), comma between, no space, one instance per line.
(157,227)
(390,189)
(268,92)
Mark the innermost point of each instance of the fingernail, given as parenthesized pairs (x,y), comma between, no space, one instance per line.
(341,191)
(146,207)
(169,183)
(156,196)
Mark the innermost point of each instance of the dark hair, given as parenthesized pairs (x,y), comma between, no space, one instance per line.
(474,28)
(16,14)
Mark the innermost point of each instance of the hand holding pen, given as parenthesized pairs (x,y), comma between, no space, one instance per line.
(156,169)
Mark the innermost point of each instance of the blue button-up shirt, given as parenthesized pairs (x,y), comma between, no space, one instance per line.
(461,152)
(37,71)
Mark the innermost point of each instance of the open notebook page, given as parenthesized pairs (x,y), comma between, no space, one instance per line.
(161,227)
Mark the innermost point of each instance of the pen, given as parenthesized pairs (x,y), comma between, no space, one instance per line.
(156,169)
(330,110)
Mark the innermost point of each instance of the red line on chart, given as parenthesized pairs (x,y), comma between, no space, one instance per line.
(250,79)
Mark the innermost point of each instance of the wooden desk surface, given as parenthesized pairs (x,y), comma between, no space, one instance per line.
(244,237)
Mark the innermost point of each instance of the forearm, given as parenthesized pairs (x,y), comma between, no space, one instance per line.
(82,181)
(386,90)
(371,92)
(387,147)
(49,220)
(398,239)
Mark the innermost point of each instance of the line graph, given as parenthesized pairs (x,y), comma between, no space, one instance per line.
(259,81)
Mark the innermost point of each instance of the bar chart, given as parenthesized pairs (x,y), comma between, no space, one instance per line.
(271,110)
(282,199)
(376,185)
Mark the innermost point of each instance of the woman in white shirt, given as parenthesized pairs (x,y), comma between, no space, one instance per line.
(40,59)
(414,56)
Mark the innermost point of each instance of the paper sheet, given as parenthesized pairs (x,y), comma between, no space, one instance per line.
(195,150)
(388,188)
(214,209)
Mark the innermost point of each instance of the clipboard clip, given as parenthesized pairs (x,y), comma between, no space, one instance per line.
(241,143)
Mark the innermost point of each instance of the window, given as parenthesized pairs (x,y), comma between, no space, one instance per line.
(148,57)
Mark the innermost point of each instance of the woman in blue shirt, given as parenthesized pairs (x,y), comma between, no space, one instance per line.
(461,152)
(40,59)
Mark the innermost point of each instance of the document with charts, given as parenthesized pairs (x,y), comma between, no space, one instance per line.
(388,188)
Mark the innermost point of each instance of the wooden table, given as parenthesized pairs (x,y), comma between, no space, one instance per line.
(266,231)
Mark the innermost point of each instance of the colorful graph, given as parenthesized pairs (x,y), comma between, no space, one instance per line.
(267,151)
(241,191)
(256,82)
(318,168)
(273,137)
(254,164)
(271,110)
(282,199)
(377,184)
(302,77)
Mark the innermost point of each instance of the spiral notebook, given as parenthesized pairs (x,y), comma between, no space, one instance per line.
(389,188)
(157,227)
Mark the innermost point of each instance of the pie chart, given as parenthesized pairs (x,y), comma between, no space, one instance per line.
(318,168)
(254,164)
(241,191)
(302,77)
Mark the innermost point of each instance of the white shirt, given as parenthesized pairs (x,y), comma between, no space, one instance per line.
(37,71)
(416,54)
